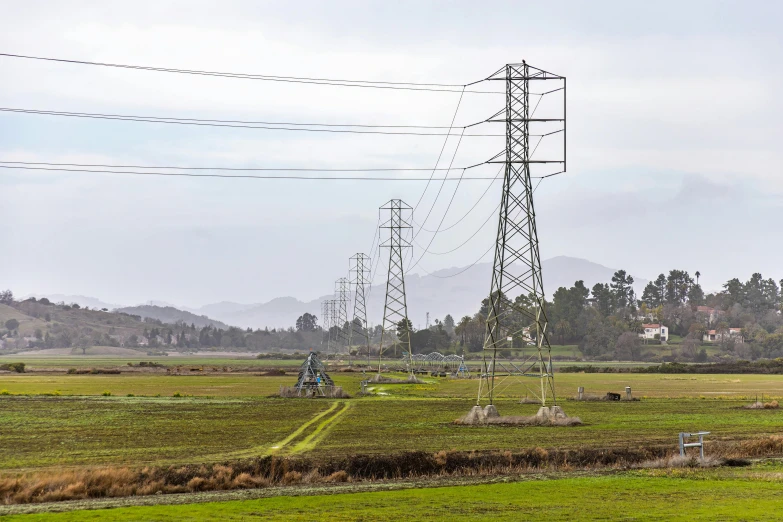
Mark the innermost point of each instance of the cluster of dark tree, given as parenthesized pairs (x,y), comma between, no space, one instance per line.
(435,338)
(605,321)
(766,366)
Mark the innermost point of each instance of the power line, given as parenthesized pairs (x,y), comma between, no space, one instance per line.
(229,176)
(474,263)
(440,154)
(407,86)
(471,208)
(435,201)
(238,124)
(272,169)
(445,213)
(464,242)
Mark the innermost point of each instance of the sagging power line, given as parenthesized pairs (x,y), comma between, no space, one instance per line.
(369,84)
(240,124)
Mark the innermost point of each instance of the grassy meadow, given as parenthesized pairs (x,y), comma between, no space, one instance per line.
(54,421)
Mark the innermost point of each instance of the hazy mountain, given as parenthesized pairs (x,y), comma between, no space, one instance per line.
(81,300)
(456,291)
(222,309)
(169,314)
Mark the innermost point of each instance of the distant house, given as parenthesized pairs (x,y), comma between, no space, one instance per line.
(710,314)
(714,336)
(651,330)
(143,341)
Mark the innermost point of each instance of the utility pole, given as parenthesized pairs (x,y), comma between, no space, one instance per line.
(427,322)
(360,279)
(395,308)
(516,298)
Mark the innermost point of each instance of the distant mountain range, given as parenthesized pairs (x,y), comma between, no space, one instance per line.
(171,315)
(456,291)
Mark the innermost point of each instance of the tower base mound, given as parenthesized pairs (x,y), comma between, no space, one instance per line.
(546,416)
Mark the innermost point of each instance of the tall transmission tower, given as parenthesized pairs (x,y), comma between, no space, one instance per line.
(326,324)
(517,316)
(342,291)
(396,325)
(332,308)
(360,268)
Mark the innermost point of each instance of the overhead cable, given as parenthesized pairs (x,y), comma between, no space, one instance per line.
(466,214)
(298,127)
(370,84)
(440,154)
(228,176)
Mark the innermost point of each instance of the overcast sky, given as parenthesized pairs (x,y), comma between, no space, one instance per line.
(674,132)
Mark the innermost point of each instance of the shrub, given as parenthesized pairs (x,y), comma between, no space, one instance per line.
(177,394)
(106,393)
(292,477)
(13,367)
(196,483)
(72,371)
(5,392)
(338,476)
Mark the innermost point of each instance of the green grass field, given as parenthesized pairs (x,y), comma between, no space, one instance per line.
(52,420)
(111,361)
(55,431)
(221,384)
(746,494)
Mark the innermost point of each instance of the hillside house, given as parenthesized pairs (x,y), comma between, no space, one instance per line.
(651,330)
(709,314)
(714,336)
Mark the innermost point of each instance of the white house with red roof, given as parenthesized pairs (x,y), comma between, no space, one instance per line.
(715,336)
(651,330)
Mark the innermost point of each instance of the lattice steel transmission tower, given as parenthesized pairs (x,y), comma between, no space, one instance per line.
(360,278)
(331,315)
(517,317)
(342,290)
(325,324)
(396,324)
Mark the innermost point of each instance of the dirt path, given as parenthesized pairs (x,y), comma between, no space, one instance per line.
(318,434)
(281,447)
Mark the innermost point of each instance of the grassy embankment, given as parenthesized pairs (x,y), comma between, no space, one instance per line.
(675,494)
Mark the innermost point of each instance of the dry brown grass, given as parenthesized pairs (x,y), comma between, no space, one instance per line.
(44,486)
(337,476)
(533,420)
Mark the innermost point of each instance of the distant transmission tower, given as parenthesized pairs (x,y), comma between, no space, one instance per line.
(326,324)
(342,290)
(360,278)
(331,346)
(396,325)
(516,316)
